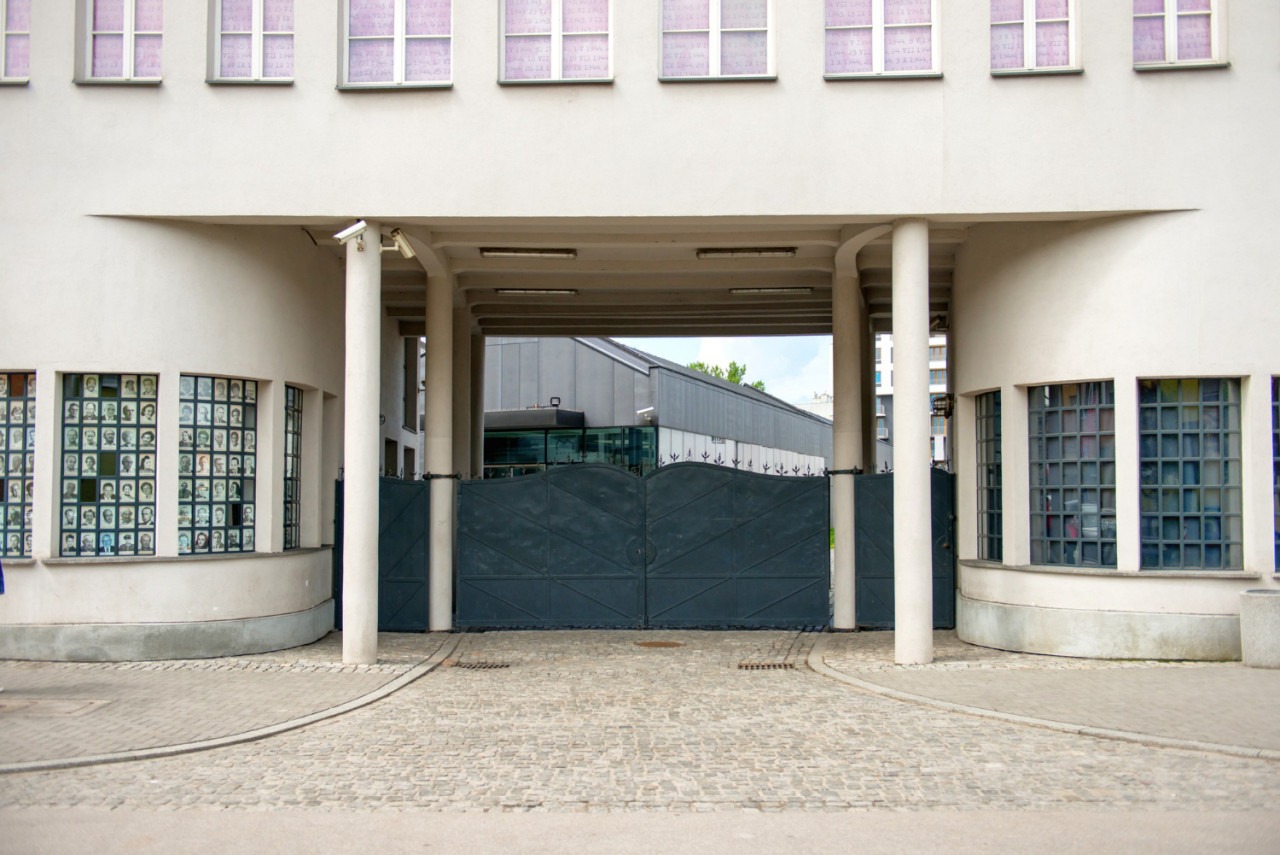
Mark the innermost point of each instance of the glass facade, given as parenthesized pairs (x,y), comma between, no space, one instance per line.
(17,461)
(1071,432)
(1190,472)
(990,478)
(217,464)
(292,466)
(511,453)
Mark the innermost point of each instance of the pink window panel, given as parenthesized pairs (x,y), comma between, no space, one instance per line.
(1007,46)
(146,56)
(235,56)
(908,11)
(428,60)
(1048,9)
(1006,11)
(1195,5)
(148,16)
(849,52)
(1195,37)
(685,15)
(1148,39)
(277,17)
(585,57)
(17,56)
(428,18)
(744,53)
(686,55)
(848,13)
(908,49)
(1053,44)
(277,56)
(108,15)
(527,58)
(372,18)
(371,61)
(528,16)
(1148,7)
(744,14)
(108,56)
(237,16)
(18,16)
(585,16)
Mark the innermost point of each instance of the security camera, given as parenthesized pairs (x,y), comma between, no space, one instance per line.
(354,230)
(646,411)
(401,243)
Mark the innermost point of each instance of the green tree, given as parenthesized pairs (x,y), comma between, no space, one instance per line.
(735,374)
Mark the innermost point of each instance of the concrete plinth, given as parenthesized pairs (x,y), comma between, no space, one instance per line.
(1260,628)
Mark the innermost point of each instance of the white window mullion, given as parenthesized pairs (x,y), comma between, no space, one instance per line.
(557,39)
(130,31)
(1171,31)
(256,38)
(1029,33)
(713,39)
(877,36)
(397,70)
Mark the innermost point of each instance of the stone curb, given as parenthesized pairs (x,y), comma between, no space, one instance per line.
(816,662)
(424,667)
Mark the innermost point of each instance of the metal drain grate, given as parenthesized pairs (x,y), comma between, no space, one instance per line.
(482,666)
(659,644)
(766,666)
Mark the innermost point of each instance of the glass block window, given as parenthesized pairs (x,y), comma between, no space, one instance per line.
(253,40)
(1176,32)
(990,477)
(1073,474)
(548,40)
(108,464)
(866,38)
(292,466)
(17,461)
(1275,458)
(1189,474)
(717,38)
(1028,35)
(122,39)
(15,41)
(217,464)
(397,43)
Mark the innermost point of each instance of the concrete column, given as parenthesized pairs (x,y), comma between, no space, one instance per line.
(361,446)
(847,330)
(912,536)
(1015,476)
(1257,483)
(439,449)
(462,391)
(868,373)
(477,406)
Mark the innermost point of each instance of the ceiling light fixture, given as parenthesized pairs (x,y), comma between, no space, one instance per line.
(748,252)
(525,252)
(537,292)
(752,292)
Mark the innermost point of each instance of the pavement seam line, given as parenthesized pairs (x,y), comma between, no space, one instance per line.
(817,663)
(391,686)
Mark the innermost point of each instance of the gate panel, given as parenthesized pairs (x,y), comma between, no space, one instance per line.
(402,556)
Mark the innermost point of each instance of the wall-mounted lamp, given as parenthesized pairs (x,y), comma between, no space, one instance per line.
(942,405)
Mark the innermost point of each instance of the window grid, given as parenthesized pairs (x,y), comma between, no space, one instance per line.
(1189,474)
(1275,459)
(15,41)
(867,38)
(988,431)
(717,38)
(391,43)
(217,464)
(255,40)
(17,461)
(556,40)
(1175,32)
(124,39)
(1071,434)
(938,377)
(1030,35)
(108,464)
(293,466)
(937,353)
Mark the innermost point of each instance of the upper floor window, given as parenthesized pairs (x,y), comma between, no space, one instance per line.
(15,47)
(717,38)
(547,40)
(881,37)
(397,43)
(253,40)
(120,40)
(1177,32)
(938,353)
(938,377)
(1033,35)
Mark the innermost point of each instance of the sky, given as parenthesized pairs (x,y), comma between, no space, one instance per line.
(793,368)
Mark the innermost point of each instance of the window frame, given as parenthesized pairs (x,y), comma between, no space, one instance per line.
(1029,22)
(258,35)
(17,462)
(988,458)
(557,36)
(399,39)
(291,492)
(1170,15)
(84,46)
(715,33)
(878,28)
(5,34)
(238,458)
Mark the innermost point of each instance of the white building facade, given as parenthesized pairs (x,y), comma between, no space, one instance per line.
(1085,200)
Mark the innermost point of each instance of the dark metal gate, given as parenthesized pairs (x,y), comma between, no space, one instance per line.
(873,549)
(688,545)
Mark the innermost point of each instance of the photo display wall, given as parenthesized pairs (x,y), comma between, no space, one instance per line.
(17,462)
(217,464)
(108,464)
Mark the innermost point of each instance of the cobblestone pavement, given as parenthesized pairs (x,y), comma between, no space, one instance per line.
(592,721)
